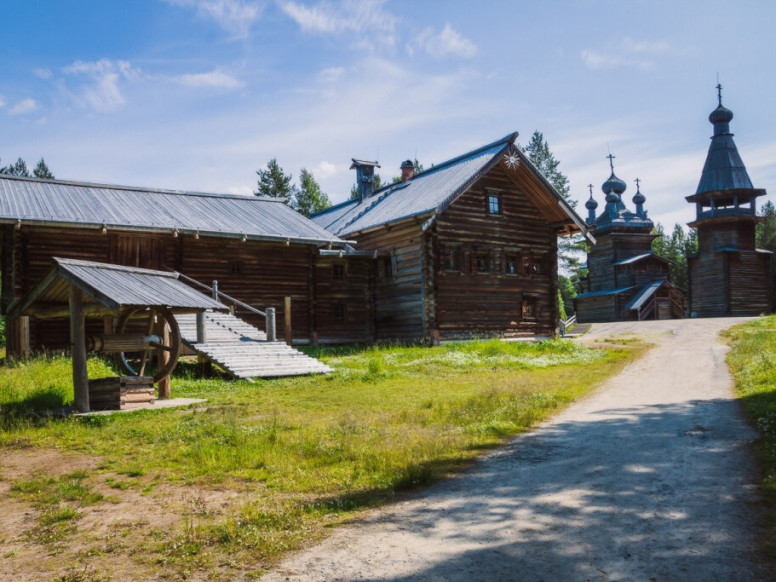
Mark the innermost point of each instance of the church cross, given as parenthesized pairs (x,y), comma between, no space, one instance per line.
(611,163)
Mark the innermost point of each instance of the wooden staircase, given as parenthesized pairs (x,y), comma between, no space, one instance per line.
(243,350)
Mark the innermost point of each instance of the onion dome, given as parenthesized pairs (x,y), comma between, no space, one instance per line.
(721,115)
(612,197)
(591,204)
(639,198)
(613,184)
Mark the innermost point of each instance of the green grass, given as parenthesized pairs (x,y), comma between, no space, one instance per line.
(752,360)
(310,451)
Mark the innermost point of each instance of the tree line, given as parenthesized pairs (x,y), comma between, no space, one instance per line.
(20,169)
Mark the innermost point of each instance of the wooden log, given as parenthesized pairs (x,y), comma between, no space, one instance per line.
(287,333)
(163,358)
(121,342)
(78,343)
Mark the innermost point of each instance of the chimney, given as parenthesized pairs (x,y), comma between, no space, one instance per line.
(365,177)
(407,170)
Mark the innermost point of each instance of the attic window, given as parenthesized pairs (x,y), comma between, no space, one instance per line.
(494,204)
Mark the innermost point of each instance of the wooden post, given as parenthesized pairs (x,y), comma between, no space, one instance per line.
(271,335)
(78,348)
(203,364)
(287,335)
(163,357)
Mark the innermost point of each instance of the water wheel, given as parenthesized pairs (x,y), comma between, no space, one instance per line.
(159,360)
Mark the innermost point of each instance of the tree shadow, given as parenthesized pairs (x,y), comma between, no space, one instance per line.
(565,503)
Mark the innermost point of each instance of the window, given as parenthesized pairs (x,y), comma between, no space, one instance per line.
(451,260)
(482,263)
(235,268)
(538,268)
(338,271)
(339,312)
(529,307)
(494,204)
(510,264)
(526,264)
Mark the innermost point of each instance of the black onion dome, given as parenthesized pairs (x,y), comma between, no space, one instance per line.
(614,184)
(721,115)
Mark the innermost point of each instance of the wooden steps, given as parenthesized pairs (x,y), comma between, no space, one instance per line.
(243,350)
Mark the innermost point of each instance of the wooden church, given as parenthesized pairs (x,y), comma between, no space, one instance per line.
(626,279)
(728,276)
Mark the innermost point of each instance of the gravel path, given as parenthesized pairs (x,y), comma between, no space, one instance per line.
(650,478)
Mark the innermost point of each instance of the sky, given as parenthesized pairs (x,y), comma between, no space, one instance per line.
(199,94)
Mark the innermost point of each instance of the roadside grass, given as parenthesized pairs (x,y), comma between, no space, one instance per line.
(306,452)
(752,361)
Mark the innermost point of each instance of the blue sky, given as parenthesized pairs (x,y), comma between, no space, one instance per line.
(199,94)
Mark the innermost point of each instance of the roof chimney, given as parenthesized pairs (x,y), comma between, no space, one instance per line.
(365,177)
(407,170)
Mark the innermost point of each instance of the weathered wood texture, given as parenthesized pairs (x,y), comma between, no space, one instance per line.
(343,299)
(121,393)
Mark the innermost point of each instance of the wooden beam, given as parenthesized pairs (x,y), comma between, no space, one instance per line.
(287,332)
(163,357)
(78,347)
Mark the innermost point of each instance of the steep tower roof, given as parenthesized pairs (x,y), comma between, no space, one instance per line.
(724,169)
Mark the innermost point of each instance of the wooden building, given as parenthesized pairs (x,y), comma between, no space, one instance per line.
(467,248)
(259,250)
(728,276)
(626,280)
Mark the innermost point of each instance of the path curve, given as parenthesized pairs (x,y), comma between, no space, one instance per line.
(649,478)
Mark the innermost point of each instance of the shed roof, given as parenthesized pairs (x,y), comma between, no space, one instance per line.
(646,292)
(638,258)
(80,204)
(430,192)
(109,289)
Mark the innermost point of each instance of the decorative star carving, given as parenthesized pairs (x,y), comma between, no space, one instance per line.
(512,160)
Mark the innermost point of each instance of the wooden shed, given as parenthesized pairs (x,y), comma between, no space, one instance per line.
(465,249)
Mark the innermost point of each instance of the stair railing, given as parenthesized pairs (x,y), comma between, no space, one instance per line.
(268,315)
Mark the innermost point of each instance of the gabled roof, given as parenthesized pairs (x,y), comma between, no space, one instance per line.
(646,292)
(430,192)
(80,204)
(109,289)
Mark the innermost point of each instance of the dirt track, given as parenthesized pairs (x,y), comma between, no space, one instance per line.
(650,478)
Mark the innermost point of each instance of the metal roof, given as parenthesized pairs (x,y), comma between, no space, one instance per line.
(431,191)
(111,288)
(643,296)
(604,292)
(78,204)
(638,258)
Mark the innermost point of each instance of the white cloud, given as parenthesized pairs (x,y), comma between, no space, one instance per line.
(43,73)
(324,170)
(2,101)
(102,92)
(24,107)
(234,16)
(331,75)
(217,79)
(359,16)
(627,53)
(447,42)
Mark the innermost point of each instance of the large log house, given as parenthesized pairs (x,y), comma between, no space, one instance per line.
(467,248)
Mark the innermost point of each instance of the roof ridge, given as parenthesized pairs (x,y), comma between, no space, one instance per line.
(147,189)
(114,267)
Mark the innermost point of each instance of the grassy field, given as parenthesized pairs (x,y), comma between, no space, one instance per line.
(752,361)
(229,486)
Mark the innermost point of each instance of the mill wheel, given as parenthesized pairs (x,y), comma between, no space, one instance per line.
(150,321)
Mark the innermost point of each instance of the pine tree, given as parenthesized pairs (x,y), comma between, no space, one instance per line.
(538,151)
(273,182)
(308,198)
(766,230)
(17,169)
(41,171)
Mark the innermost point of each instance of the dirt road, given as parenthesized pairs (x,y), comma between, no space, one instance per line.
(650,478)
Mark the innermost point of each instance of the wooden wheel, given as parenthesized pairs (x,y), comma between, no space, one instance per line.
(157,321)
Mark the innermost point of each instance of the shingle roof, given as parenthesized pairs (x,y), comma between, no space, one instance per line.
(82,204)
(428,192)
